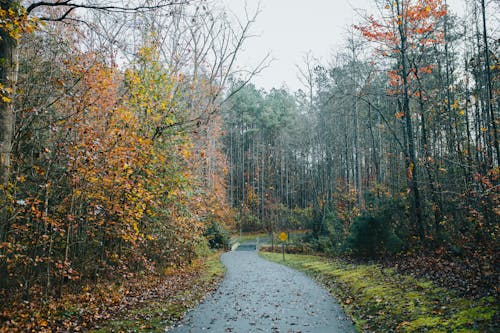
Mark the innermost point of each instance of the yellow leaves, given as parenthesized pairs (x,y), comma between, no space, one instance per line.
(186,153)
(410,169)
(136,228)
(169,121)
(38,170)
(16,22)
(399,20)
(6,99)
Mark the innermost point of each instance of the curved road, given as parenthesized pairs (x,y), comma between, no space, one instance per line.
(260,296)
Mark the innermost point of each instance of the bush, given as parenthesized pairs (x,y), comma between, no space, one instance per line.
(336,229)
(250,223)
(371,236)
(218,237)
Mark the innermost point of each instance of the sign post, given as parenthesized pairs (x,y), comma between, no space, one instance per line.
(283,237)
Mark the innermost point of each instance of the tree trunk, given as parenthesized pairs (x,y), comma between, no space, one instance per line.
(8,77)
(489,91)
(412,166)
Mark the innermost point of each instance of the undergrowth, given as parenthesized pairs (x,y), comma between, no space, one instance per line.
(156,313)
(136,303)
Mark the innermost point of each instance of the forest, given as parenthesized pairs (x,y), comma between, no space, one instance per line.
(130,141)
(391,146)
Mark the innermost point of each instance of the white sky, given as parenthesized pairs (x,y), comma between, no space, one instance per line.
(289,28)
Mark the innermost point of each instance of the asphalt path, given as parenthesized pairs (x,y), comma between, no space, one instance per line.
(260,296)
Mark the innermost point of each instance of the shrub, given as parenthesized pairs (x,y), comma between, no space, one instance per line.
(218,237)
(371,236)
(336,229)
(250,223)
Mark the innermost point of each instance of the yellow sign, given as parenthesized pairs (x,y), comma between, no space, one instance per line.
(283,236)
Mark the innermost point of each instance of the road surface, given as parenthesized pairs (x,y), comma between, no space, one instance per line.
(260,296)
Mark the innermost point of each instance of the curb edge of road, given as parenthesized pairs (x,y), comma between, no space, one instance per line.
(235,246)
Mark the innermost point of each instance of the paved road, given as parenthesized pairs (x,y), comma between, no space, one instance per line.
(260,296)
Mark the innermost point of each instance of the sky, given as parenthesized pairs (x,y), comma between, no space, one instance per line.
(288,29)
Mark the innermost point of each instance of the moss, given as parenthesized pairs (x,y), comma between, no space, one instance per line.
(382,300)
(469,317)
(423,323)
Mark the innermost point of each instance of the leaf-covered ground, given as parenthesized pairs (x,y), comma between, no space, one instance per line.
(382,300)
(472,275)
(135,304)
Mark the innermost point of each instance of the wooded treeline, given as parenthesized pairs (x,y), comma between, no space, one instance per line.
(391,145)
(112,160)
(115,157)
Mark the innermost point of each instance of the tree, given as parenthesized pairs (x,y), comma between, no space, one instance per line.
(18,19)
(408,25)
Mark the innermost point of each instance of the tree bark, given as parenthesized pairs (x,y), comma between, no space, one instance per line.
(8,77)
(412,165)
(493,123)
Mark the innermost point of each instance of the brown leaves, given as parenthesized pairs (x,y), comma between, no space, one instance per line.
(469,277)
(95,303)
(98,198)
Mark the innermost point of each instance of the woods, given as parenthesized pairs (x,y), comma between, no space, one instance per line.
(390,147)
(131,141)
(111,156)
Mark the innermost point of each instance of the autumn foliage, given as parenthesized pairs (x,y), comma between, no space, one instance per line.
(109,182)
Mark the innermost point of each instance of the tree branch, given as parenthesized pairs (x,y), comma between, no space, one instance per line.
(109,8)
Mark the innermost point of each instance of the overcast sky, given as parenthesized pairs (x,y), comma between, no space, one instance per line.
(289,28)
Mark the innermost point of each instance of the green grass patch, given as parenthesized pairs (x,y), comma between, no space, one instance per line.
(248,237)
(381,300)
(154,315)
(252,236)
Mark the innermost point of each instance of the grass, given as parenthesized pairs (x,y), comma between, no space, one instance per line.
(154,315)
(252,236)
(248,236)
(381,300)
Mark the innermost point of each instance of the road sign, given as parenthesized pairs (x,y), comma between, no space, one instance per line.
(283,236)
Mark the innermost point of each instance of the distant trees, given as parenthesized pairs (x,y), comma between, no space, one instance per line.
(398,129)
(257,144)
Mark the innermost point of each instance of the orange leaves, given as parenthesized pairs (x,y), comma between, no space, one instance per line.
(412,29)
(395,79)
(419,17)
(66,271)
(120,170)
(399,115)
(426,69)
(409,171)
(101,193)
